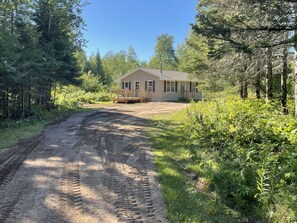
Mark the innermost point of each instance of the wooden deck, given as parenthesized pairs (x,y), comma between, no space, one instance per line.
(126,96)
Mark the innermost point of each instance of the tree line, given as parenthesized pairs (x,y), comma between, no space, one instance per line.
(38,40)
(248,43)
(41,50)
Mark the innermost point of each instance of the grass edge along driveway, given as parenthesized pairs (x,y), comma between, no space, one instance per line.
(185,200)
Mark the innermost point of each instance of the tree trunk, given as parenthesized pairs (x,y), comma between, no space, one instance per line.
(269,92)
(295,71)
(295,75)
(245,89)
(241,88)
(7,103)
(55,92)
(23,103)
(258,86)
(284,77)
(258,79)
(29,99)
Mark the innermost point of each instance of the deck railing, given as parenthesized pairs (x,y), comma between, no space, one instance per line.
(132,95)
(190,95)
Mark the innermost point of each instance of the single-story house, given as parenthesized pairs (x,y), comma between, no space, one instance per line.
(162,85)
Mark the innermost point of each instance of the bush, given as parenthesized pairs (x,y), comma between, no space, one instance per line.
(74,97)
(248,151)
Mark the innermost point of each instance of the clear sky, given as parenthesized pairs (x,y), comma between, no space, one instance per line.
(114,25)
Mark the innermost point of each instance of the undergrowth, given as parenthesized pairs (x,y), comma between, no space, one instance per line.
(241,155)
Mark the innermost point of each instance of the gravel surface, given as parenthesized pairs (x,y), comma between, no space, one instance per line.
(92,167)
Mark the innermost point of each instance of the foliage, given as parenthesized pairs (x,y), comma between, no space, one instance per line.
(164,53)
(184,202)
(91,83)
(259,35)
(118,64)
(94,66)
(193,55)
(247,151)
(38,40)
(74,97)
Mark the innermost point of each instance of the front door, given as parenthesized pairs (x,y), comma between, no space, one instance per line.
(136,88)
(182,90)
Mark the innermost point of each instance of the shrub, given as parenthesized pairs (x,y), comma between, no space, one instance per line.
(73,97)
(248,151)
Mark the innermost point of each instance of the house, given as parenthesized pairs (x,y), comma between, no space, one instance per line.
(160,85)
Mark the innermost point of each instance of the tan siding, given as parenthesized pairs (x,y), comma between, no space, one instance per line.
(159,94)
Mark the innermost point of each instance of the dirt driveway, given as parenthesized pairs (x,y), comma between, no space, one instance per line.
(92,167)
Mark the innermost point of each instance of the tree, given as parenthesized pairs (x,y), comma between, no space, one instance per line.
(132,60)
(59,24)
(37,45)
(118,64)
(164,53)
(249,26)
(193,54)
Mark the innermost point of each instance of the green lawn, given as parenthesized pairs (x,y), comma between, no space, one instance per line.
(185,202)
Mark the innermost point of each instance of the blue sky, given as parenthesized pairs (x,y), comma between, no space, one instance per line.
(114,25)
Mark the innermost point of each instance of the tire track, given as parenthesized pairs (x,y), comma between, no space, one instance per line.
(15,160)
(70,183)
(133,202)
(125,203)
(71,196)
(9,167)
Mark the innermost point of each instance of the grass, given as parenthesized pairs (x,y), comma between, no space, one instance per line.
(12,131)
(185,202)
(11,136)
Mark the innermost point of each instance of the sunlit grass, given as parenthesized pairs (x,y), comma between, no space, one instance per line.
(184,202)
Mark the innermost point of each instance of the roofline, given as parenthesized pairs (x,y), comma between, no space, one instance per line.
(133,71)
(161,77)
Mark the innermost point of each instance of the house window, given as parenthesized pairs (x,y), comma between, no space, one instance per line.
(196,87)
(150,86)
(126,85)
(170,86)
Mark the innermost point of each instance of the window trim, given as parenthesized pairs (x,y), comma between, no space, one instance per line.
(125,85)
(170,87)
(148,87)
(196,88)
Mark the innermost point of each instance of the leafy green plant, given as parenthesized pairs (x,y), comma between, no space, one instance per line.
(74,97)
(247,150)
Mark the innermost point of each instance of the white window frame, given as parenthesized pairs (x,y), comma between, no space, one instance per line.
(150,88)
(126,82)
(171,87)
(196,87)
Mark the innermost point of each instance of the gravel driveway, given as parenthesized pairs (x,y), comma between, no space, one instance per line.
(92,167)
